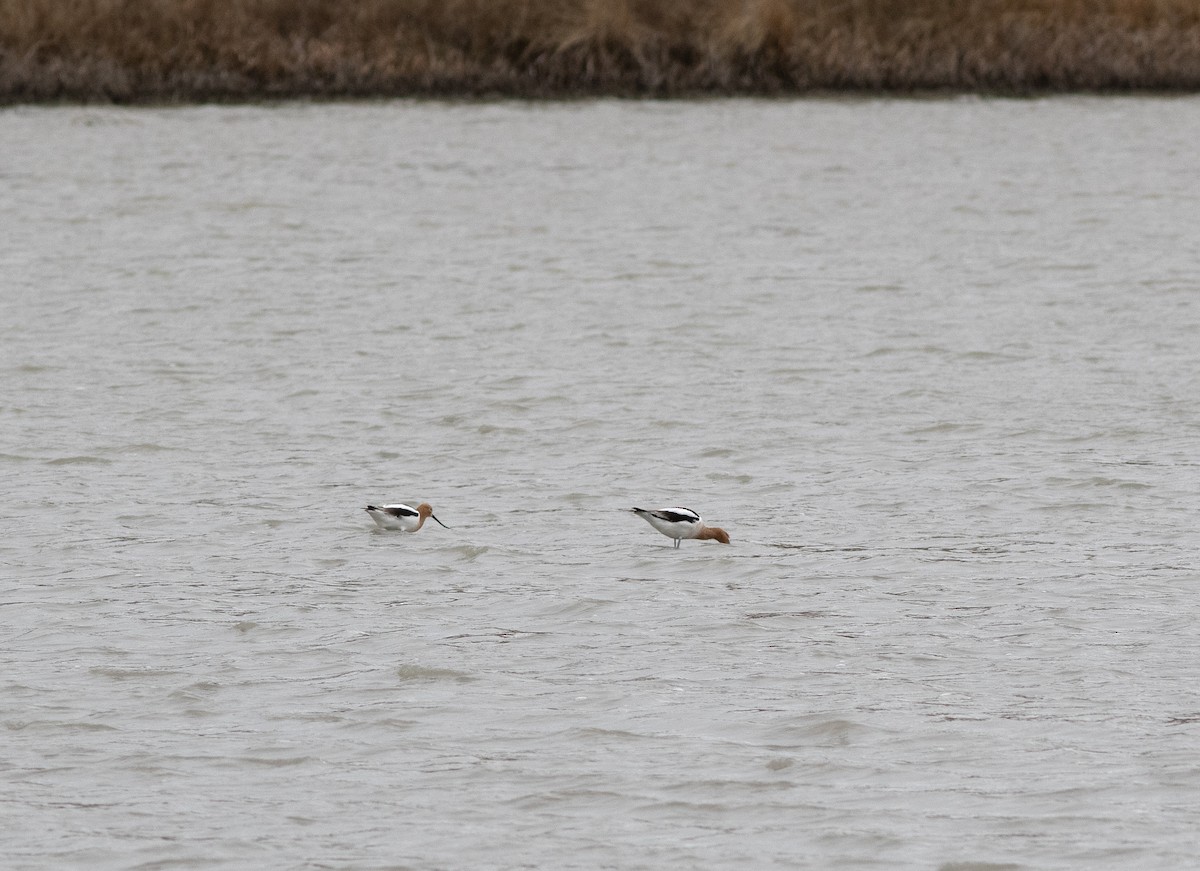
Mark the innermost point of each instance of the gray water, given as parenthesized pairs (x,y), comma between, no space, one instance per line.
(932,364)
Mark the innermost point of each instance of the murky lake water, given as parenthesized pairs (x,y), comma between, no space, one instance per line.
(932,364)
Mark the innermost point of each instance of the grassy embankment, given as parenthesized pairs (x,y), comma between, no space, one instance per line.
(183,50)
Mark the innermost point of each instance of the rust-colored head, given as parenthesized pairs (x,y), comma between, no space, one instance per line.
(714,533)
(426,510)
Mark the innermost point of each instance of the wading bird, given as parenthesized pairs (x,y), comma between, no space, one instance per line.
(681,523)
(402,517)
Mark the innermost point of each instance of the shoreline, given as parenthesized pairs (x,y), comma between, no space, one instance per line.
(196,51)
(486,99)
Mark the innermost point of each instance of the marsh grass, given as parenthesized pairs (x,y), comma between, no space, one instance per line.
(184,50)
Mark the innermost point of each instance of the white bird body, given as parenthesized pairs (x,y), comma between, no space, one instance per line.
(681,523)
(402,517)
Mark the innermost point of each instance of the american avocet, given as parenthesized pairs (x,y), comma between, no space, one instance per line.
(681,523)
(401,517)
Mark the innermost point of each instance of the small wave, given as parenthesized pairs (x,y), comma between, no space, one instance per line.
(821,731)
(470,552)
(943,426)
(577,608)
(282,762)
(129,673)
(58,725)
(1184,719)
(143,447)
(424,673)
(1098,481)
(891,350)
(991,356)
(499,635)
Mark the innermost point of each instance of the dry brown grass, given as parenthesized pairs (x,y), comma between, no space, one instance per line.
(163,50)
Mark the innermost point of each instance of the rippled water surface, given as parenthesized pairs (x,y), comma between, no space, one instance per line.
(932,364)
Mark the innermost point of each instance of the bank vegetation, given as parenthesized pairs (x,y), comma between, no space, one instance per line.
(192,50)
